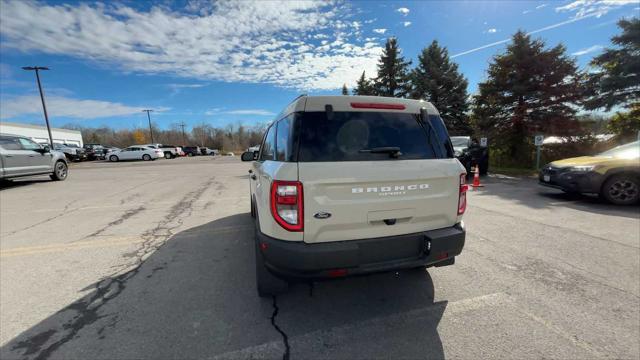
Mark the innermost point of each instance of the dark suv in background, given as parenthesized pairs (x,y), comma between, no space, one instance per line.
(94,151)
(191,150)
(470,153)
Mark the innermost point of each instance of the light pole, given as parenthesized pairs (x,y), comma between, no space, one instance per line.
(184,143)
(44,107)
(149,117)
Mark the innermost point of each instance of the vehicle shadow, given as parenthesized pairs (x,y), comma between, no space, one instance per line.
(527,191)
(195,297)
(15,183)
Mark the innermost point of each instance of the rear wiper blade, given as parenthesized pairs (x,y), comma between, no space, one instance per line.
(393,151)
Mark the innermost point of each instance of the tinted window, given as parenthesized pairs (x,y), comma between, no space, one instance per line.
(350,136)
(443,135)
(267,150)
(283,142)
(9,143)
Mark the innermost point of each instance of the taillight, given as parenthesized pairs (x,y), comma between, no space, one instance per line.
(357,105)
(287,205)
(462,197)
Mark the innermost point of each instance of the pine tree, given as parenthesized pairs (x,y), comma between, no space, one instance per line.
(437,80)
(345,91)
(529,90)
(618,80)
(363,86)
(393,77)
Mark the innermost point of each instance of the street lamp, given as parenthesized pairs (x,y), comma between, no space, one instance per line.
(149,117)
(44,107)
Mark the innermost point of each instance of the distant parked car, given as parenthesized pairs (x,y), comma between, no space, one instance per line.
(94,151)
(169,151)
(470,154)
(208,151)
(136,152)
(20,156)
(613,174)
(254,148)
(71,151)
(191,150)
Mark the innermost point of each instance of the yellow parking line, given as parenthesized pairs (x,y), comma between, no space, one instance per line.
(115,241)
(43,249)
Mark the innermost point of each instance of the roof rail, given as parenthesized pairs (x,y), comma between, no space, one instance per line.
(297,97)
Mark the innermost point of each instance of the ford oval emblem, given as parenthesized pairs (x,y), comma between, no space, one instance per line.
(322,215)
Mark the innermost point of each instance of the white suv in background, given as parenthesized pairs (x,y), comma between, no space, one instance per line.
(348,185)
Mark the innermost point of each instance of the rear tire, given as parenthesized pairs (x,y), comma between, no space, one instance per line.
(113,158)
(60,171)
(267,284)
(621,189)
(167,155)
(146,157)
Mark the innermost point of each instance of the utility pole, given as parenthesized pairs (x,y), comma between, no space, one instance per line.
(184,143)
(149,117)
(44,107)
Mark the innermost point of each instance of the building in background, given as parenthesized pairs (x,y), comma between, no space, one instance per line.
(39,133)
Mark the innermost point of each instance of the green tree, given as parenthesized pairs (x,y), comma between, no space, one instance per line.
(617,81)
(393,73)
(345,91)
(438,80)
(529,90)
(626,125)
(364,86)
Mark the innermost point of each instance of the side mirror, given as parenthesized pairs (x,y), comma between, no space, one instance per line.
(248,156)
(46,148)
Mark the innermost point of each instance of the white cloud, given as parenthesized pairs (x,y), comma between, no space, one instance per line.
(588,50)
(541,6)
(406,23)
(403,10)
(492,31)
(526,12)
(249,41)
(380,31)
(59,106)
(598,8)
(258,112)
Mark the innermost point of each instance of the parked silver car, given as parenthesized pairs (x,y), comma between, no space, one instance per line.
(20,156)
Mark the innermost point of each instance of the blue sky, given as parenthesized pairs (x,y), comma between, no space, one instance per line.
(241,62)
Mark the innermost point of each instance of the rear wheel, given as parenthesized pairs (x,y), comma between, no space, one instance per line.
(146,157)
(621,189)
(167,155)
(113,158)
(60,171)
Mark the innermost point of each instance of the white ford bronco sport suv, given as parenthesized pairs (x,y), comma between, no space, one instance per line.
(350,185)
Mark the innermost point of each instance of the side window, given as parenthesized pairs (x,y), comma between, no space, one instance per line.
(268,149)
(283,141)
(28,144)
(9,143)
(443,134)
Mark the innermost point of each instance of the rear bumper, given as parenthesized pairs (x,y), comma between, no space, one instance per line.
(355,257)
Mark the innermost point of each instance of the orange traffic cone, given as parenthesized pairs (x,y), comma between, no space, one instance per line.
(476,178)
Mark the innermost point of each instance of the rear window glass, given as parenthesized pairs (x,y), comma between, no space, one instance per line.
(355,136)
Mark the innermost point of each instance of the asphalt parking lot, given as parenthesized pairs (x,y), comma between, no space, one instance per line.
(154,260)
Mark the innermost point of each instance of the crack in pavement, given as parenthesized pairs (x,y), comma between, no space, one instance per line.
(285,338)
(129,213)
(86,309)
